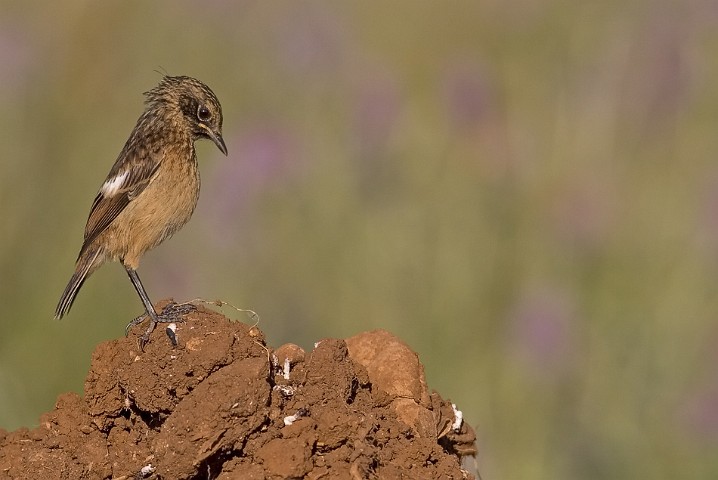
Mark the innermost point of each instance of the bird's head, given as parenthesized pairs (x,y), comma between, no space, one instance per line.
(197,105)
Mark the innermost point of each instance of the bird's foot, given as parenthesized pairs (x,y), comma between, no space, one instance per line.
(171,313)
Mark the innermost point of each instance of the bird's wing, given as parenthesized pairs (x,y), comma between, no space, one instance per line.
(128,178)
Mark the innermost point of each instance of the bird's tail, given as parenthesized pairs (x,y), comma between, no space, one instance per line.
(86,264)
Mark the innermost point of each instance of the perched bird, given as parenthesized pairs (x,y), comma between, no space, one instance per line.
(153,187)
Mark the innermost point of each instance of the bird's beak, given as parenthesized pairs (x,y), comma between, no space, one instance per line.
(216,138)
(219,141)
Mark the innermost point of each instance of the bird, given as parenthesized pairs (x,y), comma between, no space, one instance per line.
(151,190)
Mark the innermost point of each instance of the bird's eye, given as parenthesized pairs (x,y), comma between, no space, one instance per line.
(203,113)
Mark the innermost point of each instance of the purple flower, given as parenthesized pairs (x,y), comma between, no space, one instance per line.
(708,220)
(542,332)
(310,40)
(378,104)
(699,414)
(468,93)
(16,58)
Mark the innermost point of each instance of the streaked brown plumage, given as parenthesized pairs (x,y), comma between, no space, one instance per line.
(153,187)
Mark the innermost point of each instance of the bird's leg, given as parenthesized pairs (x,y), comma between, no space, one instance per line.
(171,313)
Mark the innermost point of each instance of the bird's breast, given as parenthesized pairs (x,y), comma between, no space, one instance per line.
(159,211)
(173,195)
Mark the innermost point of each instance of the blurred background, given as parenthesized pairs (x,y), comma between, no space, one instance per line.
(526,192)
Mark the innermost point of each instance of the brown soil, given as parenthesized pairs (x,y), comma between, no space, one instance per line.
(223,405)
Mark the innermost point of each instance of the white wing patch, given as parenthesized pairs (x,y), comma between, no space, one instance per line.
(113,185)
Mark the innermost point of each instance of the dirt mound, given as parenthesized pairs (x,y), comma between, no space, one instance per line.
(223,405)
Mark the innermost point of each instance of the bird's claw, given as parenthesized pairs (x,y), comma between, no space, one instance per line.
(172,312)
